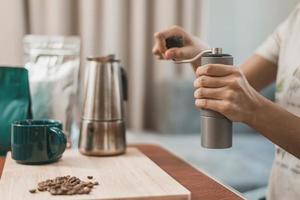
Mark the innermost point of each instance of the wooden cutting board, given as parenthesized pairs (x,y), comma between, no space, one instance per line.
(132,176)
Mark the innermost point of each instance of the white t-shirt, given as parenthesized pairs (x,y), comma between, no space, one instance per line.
(283,49)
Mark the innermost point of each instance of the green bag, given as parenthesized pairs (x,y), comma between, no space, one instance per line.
(15,103)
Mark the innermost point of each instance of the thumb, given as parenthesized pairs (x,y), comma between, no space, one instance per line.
(181,53)
(175,53)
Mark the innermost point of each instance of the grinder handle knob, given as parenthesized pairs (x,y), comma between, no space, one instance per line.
(174,41)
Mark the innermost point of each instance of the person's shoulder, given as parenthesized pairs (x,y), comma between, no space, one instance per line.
(297,8)
(294,16)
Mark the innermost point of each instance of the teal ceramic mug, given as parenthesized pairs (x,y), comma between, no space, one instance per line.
(37,141)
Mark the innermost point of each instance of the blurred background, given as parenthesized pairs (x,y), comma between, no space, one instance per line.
(161,106)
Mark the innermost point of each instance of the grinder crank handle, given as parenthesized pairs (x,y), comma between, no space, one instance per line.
(177,41)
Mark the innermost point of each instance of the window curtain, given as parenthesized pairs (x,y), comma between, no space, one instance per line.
(121,27)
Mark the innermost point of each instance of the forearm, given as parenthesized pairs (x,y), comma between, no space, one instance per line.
(278,125)
(259,71)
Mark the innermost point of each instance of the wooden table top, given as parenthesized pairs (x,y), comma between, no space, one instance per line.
(199,184)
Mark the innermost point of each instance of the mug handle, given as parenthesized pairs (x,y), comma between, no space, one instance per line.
(62,141)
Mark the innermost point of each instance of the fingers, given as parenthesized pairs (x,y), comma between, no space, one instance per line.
(211,82)
(172,31)
(211,104)
(216,70)
(160,44)
(220,106)
(159,48)
(176,53)
(208,93)
(214,93)
(159,57)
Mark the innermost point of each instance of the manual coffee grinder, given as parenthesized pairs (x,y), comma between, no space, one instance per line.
(216,129)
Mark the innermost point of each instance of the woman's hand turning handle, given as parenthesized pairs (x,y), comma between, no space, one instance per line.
(190,45)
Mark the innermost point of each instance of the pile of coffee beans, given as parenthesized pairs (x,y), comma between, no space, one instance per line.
(66,185)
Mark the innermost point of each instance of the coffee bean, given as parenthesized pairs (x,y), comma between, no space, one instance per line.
(65,185)
(80,191)
(32,191)
(53,191)
(64,188)
(86,190)
(41,189)
(90,185)
(77,187)
(59,191)
(96,183)
(85,183)
(71,192)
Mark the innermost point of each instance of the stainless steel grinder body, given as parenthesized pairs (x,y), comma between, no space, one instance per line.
(102,130)
(216,129)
